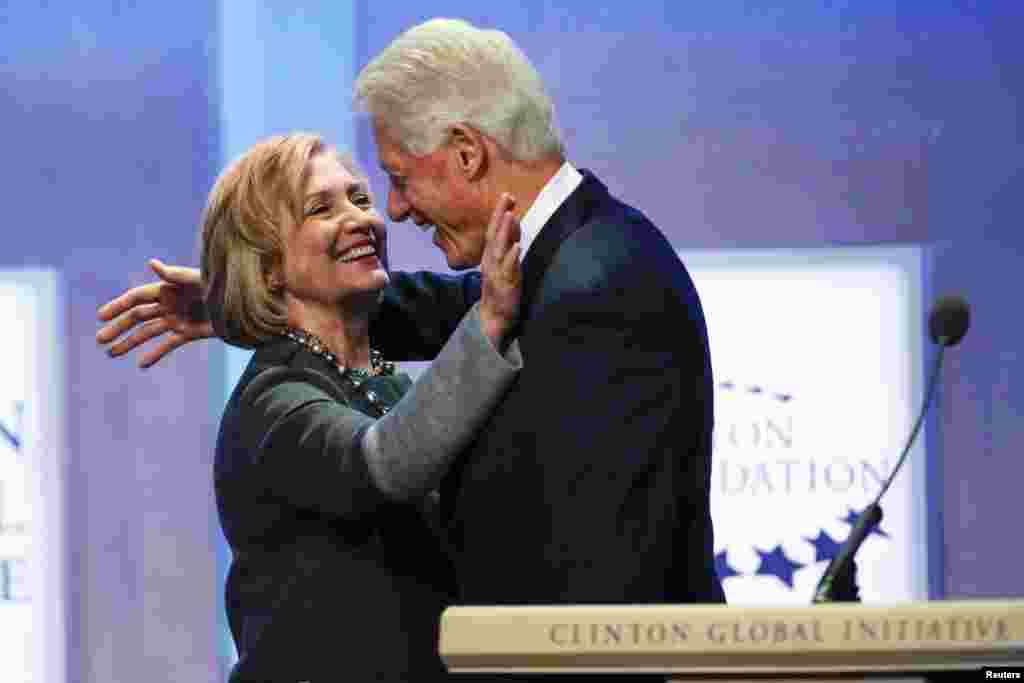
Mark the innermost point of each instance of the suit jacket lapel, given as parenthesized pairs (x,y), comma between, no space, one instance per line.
(568,218)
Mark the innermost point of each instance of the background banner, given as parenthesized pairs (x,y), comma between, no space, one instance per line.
(31,481)
(818,362)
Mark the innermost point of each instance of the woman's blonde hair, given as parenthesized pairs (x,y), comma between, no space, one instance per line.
(242,236)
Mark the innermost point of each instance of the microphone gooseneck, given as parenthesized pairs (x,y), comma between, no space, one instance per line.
(947,325)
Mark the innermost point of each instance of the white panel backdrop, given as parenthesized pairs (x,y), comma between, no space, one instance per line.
(32,647)
(817,357)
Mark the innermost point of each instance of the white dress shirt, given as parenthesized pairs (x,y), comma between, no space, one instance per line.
(555,192)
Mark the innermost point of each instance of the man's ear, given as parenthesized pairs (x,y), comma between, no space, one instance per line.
(470,151)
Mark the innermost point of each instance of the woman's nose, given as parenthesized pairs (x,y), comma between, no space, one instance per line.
(365,222)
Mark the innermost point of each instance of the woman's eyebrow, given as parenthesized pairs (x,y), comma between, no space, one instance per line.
(358,186)
(350,187)
(318,194)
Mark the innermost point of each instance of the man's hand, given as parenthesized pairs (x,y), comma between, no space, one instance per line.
(173,307)
(502,278)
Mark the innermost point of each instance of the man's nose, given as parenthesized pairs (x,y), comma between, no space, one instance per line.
(398,207)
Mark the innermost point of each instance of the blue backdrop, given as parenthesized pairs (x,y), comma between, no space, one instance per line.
(735,123)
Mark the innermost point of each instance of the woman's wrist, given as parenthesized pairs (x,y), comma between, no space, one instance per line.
(494,328)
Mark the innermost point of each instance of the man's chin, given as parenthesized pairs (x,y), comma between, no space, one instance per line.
(457,260)
(462,263)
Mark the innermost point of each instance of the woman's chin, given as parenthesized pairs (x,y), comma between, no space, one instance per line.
(372,282)
(361,302)
(381,277)
(366,286)
(365,272)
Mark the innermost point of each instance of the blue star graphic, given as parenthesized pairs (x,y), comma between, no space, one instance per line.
(825,547)
(777,564)
(851,519)
(722,566)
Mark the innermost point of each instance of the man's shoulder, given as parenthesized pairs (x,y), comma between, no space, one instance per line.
(603,207)
(617,257)
(614,238)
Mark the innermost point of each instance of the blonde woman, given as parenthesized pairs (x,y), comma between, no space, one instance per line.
(325,455)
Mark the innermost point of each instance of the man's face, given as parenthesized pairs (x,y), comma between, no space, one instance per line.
(431,191)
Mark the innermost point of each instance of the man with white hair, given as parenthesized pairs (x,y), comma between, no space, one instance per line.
(590,482)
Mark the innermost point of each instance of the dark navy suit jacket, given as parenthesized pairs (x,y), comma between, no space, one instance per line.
(590,483)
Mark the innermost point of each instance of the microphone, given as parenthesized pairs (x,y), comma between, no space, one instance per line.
(949,320)
(947,324)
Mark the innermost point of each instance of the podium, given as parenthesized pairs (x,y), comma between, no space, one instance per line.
(720,642)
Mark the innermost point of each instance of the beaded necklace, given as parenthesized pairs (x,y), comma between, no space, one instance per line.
(354,377)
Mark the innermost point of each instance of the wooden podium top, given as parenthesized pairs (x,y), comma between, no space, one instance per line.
(719,639)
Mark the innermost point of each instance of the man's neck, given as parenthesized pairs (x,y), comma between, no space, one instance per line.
(524,180)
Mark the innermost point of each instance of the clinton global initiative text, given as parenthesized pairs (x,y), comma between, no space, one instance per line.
(903,630)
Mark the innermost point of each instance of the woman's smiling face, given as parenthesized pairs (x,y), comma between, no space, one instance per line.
(331,251)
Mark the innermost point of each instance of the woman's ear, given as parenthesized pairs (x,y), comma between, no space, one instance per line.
(274,279)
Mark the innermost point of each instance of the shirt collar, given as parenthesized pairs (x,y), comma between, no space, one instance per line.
(552,196)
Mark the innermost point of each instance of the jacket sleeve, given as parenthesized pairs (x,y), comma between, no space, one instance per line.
(411,447)
(320,454)
(419,311)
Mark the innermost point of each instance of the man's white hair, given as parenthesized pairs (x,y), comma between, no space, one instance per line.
(446,72)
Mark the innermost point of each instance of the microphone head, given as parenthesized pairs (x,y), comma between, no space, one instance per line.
(949,320)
